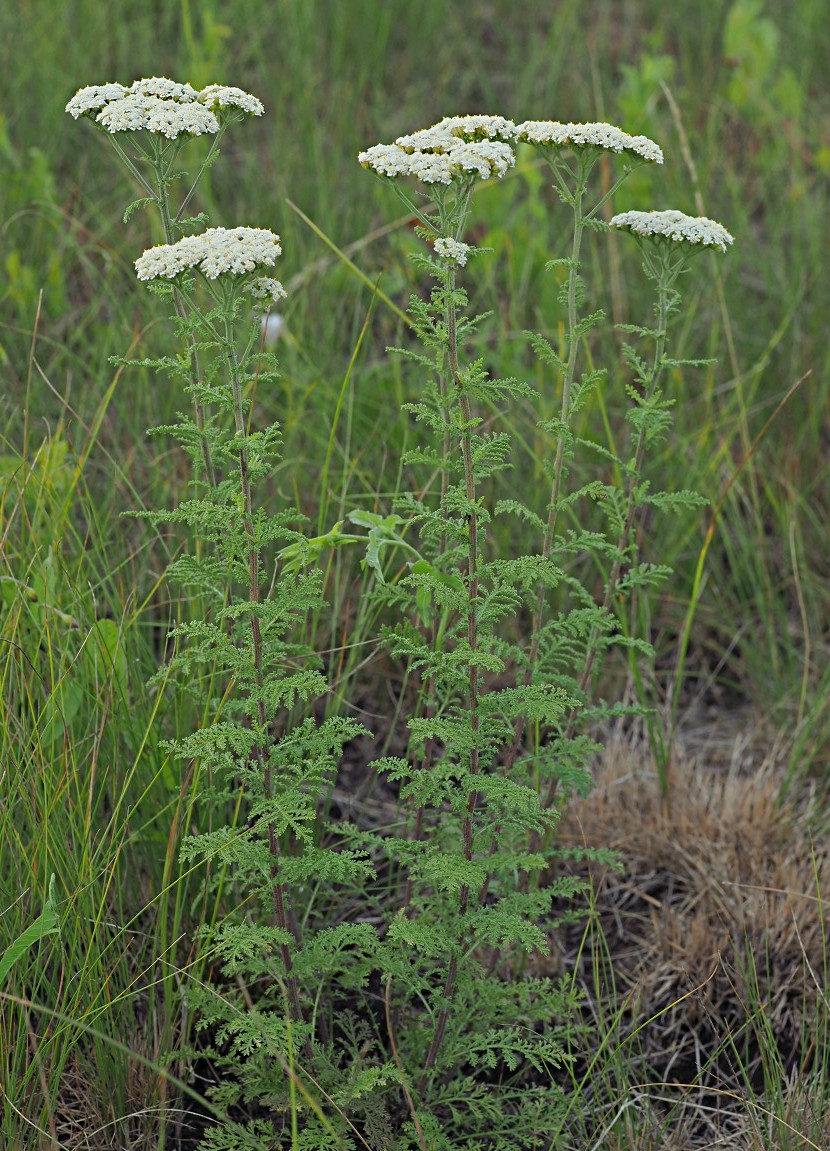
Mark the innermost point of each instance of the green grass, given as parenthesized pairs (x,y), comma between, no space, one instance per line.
(86,792)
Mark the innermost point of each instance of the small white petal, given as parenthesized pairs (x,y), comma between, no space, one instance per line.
(457,147)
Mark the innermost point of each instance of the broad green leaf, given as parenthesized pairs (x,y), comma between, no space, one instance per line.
(47,923)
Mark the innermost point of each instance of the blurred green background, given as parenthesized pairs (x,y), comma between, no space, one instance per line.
(736,93)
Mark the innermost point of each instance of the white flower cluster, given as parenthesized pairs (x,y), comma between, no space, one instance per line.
(266,288)
(604,136)
(161,106)
(163,88)
(215,252)
(95,97)
(675,226)
(170,118)
(217,96)
(442,153)
(479,127)
(451,249)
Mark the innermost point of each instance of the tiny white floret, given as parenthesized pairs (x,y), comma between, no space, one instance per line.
(266,288)
(435,139)
(443,153)
(385,159)
(472,128)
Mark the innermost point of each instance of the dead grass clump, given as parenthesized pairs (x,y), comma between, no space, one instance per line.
(712,935)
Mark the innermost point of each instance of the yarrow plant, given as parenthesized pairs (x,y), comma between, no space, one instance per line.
(148,123)
(370,982)
(501,778)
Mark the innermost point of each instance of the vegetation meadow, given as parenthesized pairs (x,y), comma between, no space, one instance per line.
(414,667)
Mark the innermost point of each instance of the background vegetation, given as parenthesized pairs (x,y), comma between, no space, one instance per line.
(734,90)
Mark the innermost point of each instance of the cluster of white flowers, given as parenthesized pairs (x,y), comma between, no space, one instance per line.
(266,288)
(479,127)
(93,98)
(170,118)
(605,136)
(161,106)
(440,154)
(217,96)
(215,252)
(451,249)
(676,226)
(481,144)
(163,88)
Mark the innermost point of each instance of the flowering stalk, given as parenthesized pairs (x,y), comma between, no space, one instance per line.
(587,142)
(667,240)
(448,158)
(156,117)
(463,401)
(226,260)
(437,939)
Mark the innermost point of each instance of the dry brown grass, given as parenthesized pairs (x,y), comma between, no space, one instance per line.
(711,939)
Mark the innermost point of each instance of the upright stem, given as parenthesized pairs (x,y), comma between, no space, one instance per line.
(558,466)
(472,641)
(567,385)
(445,225)
(178,304)
(285,920)
(586,675)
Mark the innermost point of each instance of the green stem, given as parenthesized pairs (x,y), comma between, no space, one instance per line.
(559,463)
(622,545)
(472,641)
(285,920)
(445,224)
(168,221)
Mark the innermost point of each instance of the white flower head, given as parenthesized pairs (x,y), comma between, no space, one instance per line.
(215,252)
(266,288)
(453,250)
(472,128)
(435,139)
(385,159)
(442,153)
(93,98)
(607,137)
(170,118)
(217,97)
(164,89)
(675,226)
(430,167)
(486,157)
